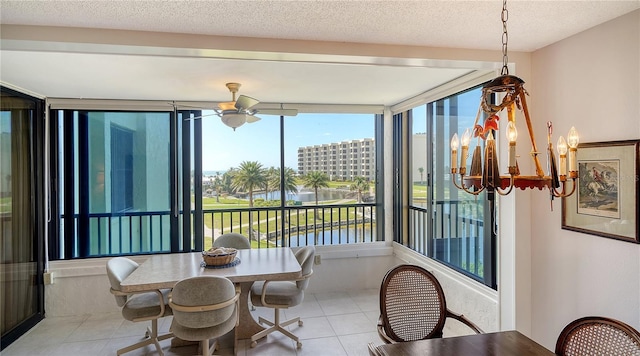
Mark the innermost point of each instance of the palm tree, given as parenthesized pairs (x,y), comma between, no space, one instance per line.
(273,181)
(316,180)
(226,180)
(217,186)
(360,184)
(421,171)
(249,176)
(290,181)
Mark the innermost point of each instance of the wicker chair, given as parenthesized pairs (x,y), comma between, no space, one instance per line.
(413,306)
(373,350)
(594,335)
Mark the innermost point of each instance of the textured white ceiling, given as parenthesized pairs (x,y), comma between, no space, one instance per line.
(131,74)
(462,24)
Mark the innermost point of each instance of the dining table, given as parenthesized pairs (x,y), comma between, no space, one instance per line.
(502,343)
(163,271)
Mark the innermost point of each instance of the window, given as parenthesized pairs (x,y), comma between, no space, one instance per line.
(442,222)
(305,214)
(114,174)
(133,182)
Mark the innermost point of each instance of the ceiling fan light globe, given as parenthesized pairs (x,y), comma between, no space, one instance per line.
(234,120)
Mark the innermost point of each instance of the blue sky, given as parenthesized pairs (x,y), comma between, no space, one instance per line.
(224,148)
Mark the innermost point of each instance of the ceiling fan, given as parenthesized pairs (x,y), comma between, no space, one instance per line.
(235,113)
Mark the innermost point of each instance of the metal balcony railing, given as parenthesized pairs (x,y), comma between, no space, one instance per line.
(455,236)
(128,233)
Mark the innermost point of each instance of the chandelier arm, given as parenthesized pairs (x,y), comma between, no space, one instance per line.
(477,192)
(563,193)
(461,186)
(465,189)
(511,184)
(454,181)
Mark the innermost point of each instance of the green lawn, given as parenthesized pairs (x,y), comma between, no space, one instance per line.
(5,205)
(266,220)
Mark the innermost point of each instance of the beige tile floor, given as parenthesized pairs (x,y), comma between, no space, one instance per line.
(339,323)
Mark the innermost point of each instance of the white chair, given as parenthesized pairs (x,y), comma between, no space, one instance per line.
(204,308)
(282,295)
(232,240)
(140,306)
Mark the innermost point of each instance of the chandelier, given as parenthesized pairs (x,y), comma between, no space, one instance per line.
(484,174)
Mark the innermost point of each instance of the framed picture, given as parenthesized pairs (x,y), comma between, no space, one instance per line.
(607,198)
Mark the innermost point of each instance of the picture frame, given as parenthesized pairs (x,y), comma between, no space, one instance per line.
(606,201)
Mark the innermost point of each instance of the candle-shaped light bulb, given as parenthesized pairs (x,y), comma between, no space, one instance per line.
(512,136)
(573,138)
(454,152)
(455,143)
(573,141)
(562,159)
(512,132)
(466,138)
(562,146)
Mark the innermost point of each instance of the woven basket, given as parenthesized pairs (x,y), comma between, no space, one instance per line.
(219,259)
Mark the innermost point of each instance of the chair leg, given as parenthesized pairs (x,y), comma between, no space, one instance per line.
(276,326)
(206,349)
(151,338)
(262,320)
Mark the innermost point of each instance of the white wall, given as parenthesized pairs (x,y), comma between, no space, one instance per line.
(592,81)
(474,300)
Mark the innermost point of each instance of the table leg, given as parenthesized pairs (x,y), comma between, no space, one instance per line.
(247,326)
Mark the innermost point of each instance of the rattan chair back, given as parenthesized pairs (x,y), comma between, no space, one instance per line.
(596,335)
(412,304)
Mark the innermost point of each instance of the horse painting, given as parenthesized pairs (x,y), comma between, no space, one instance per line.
(598,188)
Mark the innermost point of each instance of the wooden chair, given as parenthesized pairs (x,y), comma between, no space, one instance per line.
(413,306)
(595,335)
(373,349)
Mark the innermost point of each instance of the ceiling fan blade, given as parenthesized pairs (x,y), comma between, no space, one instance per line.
(251,118)
(283,112)
(245,102)
(199,117)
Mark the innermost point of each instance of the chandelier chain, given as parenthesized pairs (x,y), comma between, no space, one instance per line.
(505,38)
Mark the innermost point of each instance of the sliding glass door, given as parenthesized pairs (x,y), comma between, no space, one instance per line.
(21,214)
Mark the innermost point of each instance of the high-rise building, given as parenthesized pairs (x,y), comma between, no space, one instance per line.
(340,160)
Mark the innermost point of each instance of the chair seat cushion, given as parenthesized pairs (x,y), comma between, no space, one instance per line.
(283,293)
(197,334)
(146,305)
